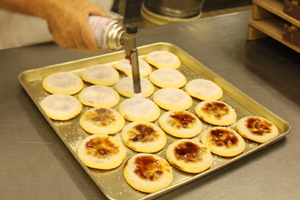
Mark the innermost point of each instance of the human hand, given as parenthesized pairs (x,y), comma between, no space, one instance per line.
(68,23)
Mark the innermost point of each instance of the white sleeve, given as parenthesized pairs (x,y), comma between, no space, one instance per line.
(22,30)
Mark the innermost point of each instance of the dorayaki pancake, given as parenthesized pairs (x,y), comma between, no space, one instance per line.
(256,129)
(163,59)
(216,113)
(102,121)
(223,141)
(189,156)
(63,83)
(98,96)
(61,106)
(125,67)
(167,77)
(139,109)
(172,99)
(148,173)
(125,87)
(181,124)
(100,75)
(101,152)
(203,89)
(143,137)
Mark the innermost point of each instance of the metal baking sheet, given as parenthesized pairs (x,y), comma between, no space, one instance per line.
(112,182)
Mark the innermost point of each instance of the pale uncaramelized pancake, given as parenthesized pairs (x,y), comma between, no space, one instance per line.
(203,89)
(61,106)
(139,109)
(125,67)
(62,83)
(102,121)
(216,113)
(172,99)
(163,59)
(98,96)
(257,129)
(100,75)
(125,87)
(143,137)
(189,156)
(167,77)
(148,173)
(223,141)
(101,152)
(181,124)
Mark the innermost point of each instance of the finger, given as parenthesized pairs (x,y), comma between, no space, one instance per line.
(70,39)
(59,37)
(89,40)
(80,45)
(66,44)
(69,44)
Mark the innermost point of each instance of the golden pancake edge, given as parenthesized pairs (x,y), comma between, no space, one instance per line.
(98,95)
(61,106)
(143,137)
(148,172)
(223,141)
(203,89)
(63,83)
(101,152)
(102,121)
(125,67)
(172,99)
(257,129)
(163,59)
(125,87)
(100,75)
(181,124)
(167,77)
(189,156)
(139,109)
(216,112)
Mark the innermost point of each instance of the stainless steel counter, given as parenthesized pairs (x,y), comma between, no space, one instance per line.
(35,164)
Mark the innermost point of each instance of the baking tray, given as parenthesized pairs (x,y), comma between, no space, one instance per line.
(112,182)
